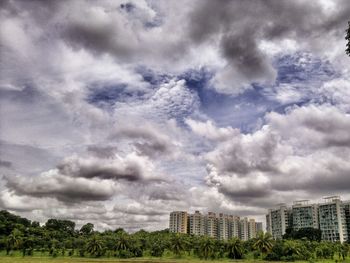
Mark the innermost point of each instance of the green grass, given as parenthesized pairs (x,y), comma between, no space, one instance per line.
(38,257)
(45,259)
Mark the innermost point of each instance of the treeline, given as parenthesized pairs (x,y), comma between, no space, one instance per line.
(60,238)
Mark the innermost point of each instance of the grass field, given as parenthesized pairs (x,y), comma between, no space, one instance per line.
(15,259)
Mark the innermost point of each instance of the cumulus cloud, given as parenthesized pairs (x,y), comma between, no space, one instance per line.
(148,140)
(67,189)
(210,131)
(240,37)
(304,150)
(131,168)
(87,134)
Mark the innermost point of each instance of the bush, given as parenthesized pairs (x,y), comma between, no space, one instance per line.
(125,254)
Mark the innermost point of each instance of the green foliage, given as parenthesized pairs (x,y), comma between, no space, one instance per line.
(206,248)
(235,248)
(58,238)
(87,229)
(309,233)
(263,242)
(177,244)
(95,247)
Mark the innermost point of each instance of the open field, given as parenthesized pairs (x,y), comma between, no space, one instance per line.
(15,259)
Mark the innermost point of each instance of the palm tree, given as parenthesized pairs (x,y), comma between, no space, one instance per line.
(13,241)
(235,248)
(291,248)
(177,244)
(206,247)
(263,242)
(122,242)
(94,246)
(157,249)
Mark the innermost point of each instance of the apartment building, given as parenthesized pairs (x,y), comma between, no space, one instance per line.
(234,228)
(196,224)
(223,226)
(304,215)
(178,222)
(259,227)
(278,220)
(244,229)
(332,220)
(332,217)
(251,228)
(211,225)
(219,226)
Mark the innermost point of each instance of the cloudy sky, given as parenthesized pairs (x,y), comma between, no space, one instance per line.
(118,112)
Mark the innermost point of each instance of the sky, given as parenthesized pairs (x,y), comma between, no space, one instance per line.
(119,112)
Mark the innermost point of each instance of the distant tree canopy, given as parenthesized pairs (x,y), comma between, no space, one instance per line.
(309,233)
(347,37)
(58,238)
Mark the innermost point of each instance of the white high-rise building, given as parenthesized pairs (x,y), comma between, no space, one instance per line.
(244,229)
(305,215)
(196,224)
(234,227)
(278,220)
(332,220)
(178,222)
(211,225)
(251,228)
(259,227)
(332,217)
(223,226)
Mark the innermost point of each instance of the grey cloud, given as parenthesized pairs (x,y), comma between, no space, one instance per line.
(131,168)
(5,164)
(240,26)
(305,150)
(102,151)
(62,188)
(148,140)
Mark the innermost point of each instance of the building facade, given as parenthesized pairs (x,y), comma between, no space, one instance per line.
(259,227)
(332,217)
(196,224)
(219,226)
(278,220)
(211,225)
(332,220)
(178,222)
(304,215)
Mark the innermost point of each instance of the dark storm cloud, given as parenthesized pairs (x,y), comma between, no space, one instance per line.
(62,188)
(103,169)
(6,164)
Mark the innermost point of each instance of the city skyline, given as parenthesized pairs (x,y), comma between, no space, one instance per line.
(119,112)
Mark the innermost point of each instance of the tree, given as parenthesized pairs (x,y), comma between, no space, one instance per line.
(87,229)
(157,249)
(292,250)
(347,37)
(235,248)
(177,244)
(263,242)
(94,246)
(13,241)
(310,233)
(206,247)
(122,242)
